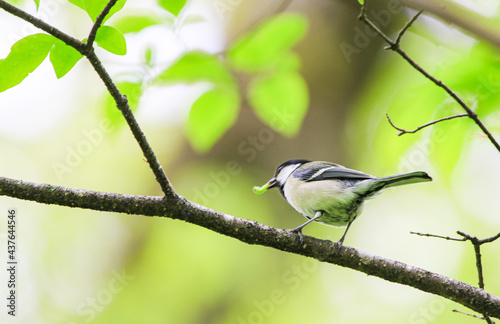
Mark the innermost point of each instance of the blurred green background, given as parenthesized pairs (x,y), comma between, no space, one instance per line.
(79,266)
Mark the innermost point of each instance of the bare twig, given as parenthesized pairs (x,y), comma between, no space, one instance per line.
(475,242)
(467,19)
(477,249)
(395,46)
(408,25)
(253,232)
(120,99)
(439,236)
(98,22)
(402,131)
(486,318)
(490,239)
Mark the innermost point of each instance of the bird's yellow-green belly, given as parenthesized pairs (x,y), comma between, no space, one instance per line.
(339,206)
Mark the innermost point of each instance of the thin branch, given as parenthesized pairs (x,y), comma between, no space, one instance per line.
(69,40)
(468,20)
(490,239)
(98,22)
(486,318)
(123,106)
(475,242)
(121,100)
(408,25)
(394,46)
(252,232)
(477,249)
(402,131)
(439,236)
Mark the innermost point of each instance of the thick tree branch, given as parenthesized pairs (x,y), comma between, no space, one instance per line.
(252,232)
(173,206)
(121,100)
(394,46)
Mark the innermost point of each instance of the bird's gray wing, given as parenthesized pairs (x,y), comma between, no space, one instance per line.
(334,172)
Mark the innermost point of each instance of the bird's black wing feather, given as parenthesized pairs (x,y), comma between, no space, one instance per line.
(336,172)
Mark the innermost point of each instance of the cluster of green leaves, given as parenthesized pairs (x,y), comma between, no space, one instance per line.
(277,92)
(28,53)
(473,75)
(133,87)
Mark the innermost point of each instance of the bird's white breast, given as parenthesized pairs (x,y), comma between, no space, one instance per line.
(337,201)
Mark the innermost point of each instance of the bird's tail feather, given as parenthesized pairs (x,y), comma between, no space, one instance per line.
(405,178)
(369,189)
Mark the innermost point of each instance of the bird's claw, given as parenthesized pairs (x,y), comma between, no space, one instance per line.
(338,245)
(297,231)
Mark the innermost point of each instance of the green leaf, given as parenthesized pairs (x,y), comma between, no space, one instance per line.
(172,6)
(280,100)
(111,40)
(63,58)
(211,116)
(136,23)
(24,57)
(95,7)
(262,48)
(37,2)
(133,91)
(195,67)
(361,2)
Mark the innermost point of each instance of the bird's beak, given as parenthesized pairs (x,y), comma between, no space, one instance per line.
(270,184)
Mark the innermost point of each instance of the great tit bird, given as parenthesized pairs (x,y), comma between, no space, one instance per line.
(329,193)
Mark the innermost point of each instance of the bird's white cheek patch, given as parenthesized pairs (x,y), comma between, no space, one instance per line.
(285,173)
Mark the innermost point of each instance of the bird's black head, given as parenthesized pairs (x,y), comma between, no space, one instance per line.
(282,173)
(285,169)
